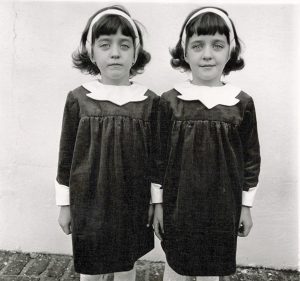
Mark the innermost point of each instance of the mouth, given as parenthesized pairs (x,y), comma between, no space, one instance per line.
(115,64)
(207,65)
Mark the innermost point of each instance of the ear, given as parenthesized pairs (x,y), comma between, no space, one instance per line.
(133,58)
(93,59)
(229,56)
(186,58)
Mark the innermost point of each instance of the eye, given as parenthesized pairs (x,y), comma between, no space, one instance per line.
(104,46)
(218,46)
(197,47)
(125,46)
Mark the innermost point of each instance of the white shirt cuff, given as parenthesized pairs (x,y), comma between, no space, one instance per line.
(248,196)
(62,194)
(156,193)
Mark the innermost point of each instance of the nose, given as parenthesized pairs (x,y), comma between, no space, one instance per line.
(115,52)
(207,53)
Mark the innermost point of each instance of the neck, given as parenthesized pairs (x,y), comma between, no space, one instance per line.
(115,82)
(209,83)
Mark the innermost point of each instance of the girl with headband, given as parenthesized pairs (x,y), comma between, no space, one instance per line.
(106,171)
(211,153)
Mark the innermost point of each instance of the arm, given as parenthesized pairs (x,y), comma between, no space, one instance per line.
(251,149)
(67,143)
(155,177)
(156,187)
(164,124)
(67,140)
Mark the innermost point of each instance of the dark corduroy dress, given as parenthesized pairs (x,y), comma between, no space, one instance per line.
(210,157)
(106,158)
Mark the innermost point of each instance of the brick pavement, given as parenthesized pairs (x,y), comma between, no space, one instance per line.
(17,266)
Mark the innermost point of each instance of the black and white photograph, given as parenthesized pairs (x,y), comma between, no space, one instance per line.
(149,140)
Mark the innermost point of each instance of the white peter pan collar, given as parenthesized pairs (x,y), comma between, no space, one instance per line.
(209,96)
(119,95)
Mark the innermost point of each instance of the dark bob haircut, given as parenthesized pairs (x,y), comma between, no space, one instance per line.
(207,24)
(108,25)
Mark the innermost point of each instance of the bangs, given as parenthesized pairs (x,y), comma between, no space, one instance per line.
(110,24)
(207,24)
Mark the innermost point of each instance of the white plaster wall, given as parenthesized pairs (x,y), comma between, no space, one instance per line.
(37,39)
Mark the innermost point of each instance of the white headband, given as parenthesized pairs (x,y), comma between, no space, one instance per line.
(219,13)
(88,43)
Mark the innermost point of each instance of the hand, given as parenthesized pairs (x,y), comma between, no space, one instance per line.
(150,215)
(245,223)
(158,223)
(64,219)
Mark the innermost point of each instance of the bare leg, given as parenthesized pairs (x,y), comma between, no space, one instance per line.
(207,278)
(171,275)
(99,277)
(125,275)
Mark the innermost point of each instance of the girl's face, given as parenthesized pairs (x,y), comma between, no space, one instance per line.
(114,56)
(207,56)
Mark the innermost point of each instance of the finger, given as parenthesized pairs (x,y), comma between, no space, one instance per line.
(241,230)
(244,230)
(150,216)
(247,229)
(240,223)
(156,231)
(162,226)
(66,229)
(150,219)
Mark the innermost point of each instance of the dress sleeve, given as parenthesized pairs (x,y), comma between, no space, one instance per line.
(66,147)
(156,190)
(248,196)
(251,154)
(62,194)
(164,123)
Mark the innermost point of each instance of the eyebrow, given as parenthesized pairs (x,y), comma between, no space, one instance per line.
(196,41)
(107,38)
(125,40)
(219,40)
(214,41)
